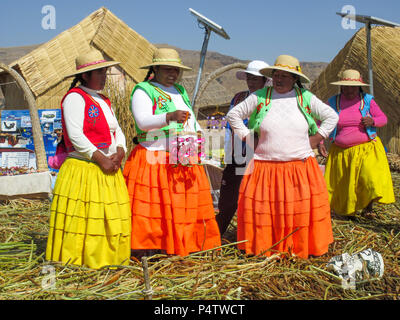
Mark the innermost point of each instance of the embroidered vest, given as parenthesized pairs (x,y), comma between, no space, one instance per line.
(365,101)
(162,103)
(95,126)
(264,98)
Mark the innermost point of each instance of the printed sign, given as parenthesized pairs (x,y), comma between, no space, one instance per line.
(15,159)
(16,133)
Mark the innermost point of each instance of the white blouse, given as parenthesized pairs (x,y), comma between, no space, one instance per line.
(284,130)
(142,109)
(74,113)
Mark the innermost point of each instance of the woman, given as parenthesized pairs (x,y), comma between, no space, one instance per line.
(357,171)
(234,170)
(283,202)
(90,211)
(172,208)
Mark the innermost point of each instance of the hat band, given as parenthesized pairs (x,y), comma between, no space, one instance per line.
(167,60)
(350,79)
(90,64)
(297,68)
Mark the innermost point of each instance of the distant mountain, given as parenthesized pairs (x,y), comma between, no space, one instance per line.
(10,54)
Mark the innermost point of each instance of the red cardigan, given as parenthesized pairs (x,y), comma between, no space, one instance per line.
(95,126)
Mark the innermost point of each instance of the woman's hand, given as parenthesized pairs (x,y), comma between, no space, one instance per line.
(118,156)
(106,164)
(179,116)
(367,121)
(322,150)
(315,140)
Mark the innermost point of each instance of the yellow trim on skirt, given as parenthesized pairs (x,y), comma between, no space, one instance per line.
(357,175)
(90,222)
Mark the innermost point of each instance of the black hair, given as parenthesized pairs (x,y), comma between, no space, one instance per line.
(149,73)
(298,82)
(78,78)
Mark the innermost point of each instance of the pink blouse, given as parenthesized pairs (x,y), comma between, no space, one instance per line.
(350,131)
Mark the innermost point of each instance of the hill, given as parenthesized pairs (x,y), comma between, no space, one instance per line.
(10,54)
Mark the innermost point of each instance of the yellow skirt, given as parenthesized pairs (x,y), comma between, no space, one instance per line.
(357,175)
(90,221)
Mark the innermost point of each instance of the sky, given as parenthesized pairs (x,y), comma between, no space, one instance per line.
(310,30)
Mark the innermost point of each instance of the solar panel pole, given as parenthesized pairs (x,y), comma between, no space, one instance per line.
(202,59)
(369,57)
(209,26)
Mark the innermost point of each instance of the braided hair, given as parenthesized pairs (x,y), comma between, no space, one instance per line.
(298,82)
(78,78)
(149,73)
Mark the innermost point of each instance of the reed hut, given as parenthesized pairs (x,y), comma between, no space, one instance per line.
(43,69)
(386,71)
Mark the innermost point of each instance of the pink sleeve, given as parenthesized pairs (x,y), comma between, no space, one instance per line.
(377,114)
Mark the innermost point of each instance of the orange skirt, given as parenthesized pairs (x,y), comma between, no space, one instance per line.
(171,206)
(280,198)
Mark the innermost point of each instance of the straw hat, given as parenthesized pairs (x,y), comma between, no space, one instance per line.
(166,57)
(253,68)
(350,77)
(286,63)
(90,61)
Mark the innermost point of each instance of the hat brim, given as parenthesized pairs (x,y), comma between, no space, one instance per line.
(172,64)
(241,74)
(267,72)
(350,83)
(93,67)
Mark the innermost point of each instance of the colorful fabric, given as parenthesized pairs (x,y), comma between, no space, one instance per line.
(264,99)
(90,217)
(358,175)
(280,198)
(162,103)
(364,101)
(171,206)
(284,132)
(95,126)
(58,159)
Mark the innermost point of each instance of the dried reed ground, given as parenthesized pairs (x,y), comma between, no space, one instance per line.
(226,274)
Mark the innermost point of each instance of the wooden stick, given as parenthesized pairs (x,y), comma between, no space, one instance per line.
(148,292)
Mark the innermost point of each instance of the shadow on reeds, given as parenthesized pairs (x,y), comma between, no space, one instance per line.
(39,239)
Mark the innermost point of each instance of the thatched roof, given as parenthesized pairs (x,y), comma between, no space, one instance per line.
(214,95)
(386,67)
(45,67)
(385,44)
